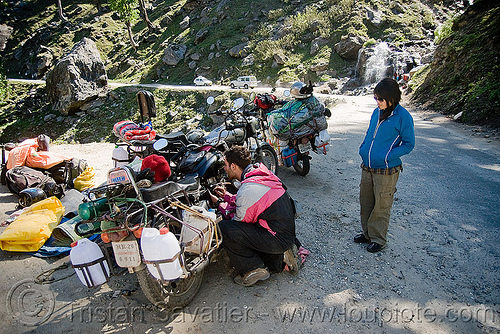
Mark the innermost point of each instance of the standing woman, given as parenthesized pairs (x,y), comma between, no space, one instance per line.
(390,135)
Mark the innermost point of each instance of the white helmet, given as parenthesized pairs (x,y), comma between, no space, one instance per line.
(300,90)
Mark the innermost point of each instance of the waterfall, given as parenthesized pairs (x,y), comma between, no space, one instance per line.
(377,63)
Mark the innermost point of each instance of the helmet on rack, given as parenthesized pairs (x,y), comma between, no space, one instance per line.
(300,90)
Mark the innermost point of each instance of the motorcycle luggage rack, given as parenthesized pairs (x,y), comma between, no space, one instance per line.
(199,262)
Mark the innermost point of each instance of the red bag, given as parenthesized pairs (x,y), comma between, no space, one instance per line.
(265,101)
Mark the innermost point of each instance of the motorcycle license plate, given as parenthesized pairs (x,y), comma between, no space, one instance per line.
(127,254)
(118,176)
(303,148)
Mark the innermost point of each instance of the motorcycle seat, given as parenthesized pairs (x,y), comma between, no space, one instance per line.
(169,188)
(175,136)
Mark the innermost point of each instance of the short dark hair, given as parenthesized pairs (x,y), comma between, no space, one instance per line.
(388,89)
(239,156)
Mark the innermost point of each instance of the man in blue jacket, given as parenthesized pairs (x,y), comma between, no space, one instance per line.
(390,135)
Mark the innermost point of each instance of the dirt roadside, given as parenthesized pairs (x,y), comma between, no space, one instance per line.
(439,273)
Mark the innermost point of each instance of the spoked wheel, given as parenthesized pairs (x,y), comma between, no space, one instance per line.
(303,165)
(268,157)
(177,294)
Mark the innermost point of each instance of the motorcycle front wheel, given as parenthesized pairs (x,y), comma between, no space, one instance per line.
(268,157)
(178,294)
(303,165)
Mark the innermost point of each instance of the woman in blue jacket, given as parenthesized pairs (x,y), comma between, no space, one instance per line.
(390,135)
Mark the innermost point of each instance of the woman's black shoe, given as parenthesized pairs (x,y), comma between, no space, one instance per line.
(360,239)
(374,247)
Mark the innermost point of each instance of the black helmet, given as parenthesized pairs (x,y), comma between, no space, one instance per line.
(29,196)
(300,90)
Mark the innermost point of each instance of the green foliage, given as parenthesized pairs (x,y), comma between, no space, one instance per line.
(4,86)
(443,31)
(126,9)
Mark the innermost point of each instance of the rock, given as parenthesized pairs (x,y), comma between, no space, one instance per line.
(174,53)
(195,56)
(238,51)
(248,60)
(76,78)
(458,116)
(349,46)
(321,66)
(200,36)
(211,56)
(49,117)
(280,58)
(316,44)
(374,17)
(184,24)
(43,60)
(5,34)
(192,65)
(427,58)
(249,29)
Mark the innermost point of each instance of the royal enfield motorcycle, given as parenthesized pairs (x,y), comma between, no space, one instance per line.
(241,127)
(164,233)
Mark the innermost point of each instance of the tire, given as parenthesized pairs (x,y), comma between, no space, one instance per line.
(246,86)
(303,165)
(268,157)
(167,296)
(232,85)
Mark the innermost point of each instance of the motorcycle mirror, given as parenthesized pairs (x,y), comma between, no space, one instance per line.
(160,144)
(251,98)
(286,93)
(210,100)
(238,103)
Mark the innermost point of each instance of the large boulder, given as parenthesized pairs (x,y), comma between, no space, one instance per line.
(239,51)
(349,46)
(316,44)
(174,53)
(77,78)
(5,34)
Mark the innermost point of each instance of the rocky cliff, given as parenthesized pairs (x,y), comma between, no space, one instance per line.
(463,79)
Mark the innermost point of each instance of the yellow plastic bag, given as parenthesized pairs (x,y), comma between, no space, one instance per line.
(29,231)
(85,179)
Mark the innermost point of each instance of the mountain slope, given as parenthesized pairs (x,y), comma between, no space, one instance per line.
(464,76)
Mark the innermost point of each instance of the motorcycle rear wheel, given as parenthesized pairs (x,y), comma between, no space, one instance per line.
(303,165)
(171,296)
(268,157)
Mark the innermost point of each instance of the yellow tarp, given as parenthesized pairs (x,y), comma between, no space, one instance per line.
(85,179)
(29,231)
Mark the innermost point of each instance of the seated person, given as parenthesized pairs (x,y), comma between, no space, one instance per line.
(260,237)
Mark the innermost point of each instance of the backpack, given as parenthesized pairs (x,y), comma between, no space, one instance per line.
(73,169)
(265,101)
(22,177)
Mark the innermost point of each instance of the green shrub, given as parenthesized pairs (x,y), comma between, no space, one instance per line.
(443,31)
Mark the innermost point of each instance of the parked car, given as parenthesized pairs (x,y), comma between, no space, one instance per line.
(248,81)
(202,81)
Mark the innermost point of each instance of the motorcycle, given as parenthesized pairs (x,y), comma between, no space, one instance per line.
(300,126)
(184,156)
(241,127)
(133,220)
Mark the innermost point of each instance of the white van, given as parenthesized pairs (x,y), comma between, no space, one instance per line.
(248,81)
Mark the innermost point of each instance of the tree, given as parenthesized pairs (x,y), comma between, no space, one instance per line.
(60,11)
(144,15)
(128,13)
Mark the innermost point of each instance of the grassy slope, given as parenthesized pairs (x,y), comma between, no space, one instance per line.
(464,74)
(22,115)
